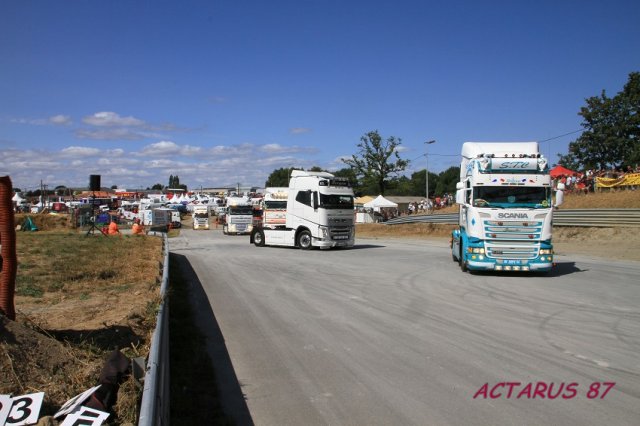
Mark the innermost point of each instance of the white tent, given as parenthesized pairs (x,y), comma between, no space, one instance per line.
(18,199)
(379,202)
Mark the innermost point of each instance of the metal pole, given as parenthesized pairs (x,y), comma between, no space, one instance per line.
(426,170)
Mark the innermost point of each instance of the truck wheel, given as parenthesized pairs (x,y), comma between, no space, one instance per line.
(258,239)
(224,229)
(463,264)
(304,240)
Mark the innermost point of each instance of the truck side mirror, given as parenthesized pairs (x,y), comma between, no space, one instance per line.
(459,185)
(460,196)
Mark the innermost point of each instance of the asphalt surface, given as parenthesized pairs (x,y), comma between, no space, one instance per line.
(391,332)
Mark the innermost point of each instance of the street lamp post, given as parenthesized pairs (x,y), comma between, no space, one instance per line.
(426,170)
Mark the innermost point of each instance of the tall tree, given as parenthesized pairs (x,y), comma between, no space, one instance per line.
(279,177)
(447,181)
(612,130)
(377,161)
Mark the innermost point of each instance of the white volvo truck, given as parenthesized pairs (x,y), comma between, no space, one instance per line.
(506,209)
(319,213)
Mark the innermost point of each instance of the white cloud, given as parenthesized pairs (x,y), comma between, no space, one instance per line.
(79,151)
(222,165)
(56,120)
(112,119)
(118,152)
(161,148)
(164,148)
(114,134)
(272,147)
(60,120)
(299,130)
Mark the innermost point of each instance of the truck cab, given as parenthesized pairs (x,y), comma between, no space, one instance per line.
(319,213)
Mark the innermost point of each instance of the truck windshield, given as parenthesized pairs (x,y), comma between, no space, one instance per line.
(336,201)
(237,210)
(275,205)
(202,215)
(512,196)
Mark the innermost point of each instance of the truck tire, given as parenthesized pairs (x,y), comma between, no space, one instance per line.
(304,240)
(463,264)
(258,239)
(224,229)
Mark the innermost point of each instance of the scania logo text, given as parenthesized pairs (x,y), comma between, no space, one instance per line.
(512,216)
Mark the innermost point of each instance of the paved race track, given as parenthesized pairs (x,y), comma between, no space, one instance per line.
(391,332)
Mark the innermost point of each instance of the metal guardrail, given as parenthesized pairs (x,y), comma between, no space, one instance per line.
(154,408)
(603,218)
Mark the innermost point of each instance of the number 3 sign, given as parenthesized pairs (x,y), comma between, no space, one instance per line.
(21,410)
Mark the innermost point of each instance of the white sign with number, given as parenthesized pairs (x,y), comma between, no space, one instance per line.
(25,409)
(75,402)
(5,407)
(85,416)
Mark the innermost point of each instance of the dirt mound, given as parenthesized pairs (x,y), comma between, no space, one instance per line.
(33,362)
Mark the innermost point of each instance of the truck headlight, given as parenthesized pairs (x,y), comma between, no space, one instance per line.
(546,251)
(324,231)
(479,250)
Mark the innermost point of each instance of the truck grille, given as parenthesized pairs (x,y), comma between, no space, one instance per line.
(341,221)
(512,230)
(512,239)
(340,234)
(503,250)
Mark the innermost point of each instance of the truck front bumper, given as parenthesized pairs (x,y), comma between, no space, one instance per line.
(490,266)
(327,244)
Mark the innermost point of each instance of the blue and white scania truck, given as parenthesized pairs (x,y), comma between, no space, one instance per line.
(505,198)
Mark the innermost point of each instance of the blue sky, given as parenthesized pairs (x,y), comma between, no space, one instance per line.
(221,92)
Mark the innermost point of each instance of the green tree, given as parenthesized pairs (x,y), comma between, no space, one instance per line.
(447,181)
(157,187)
(400,186)
(174,181)
(279,177)
(377,162)
(612,130)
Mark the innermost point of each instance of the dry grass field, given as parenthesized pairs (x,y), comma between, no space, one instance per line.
(77,299)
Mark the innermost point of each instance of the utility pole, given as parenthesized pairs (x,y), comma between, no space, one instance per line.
(426,170)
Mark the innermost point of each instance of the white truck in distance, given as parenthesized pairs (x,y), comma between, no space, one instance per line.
(274,207)
(319,213)
(506,208)
(239,216)
(200,215)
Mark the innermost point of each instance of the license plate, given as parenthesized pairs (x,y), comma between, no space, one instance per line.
(511,262)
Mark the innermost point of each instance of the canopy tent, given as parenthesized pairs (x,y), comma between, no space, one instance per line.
(17,198)
(379,202)
(362,200)
(559,171)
